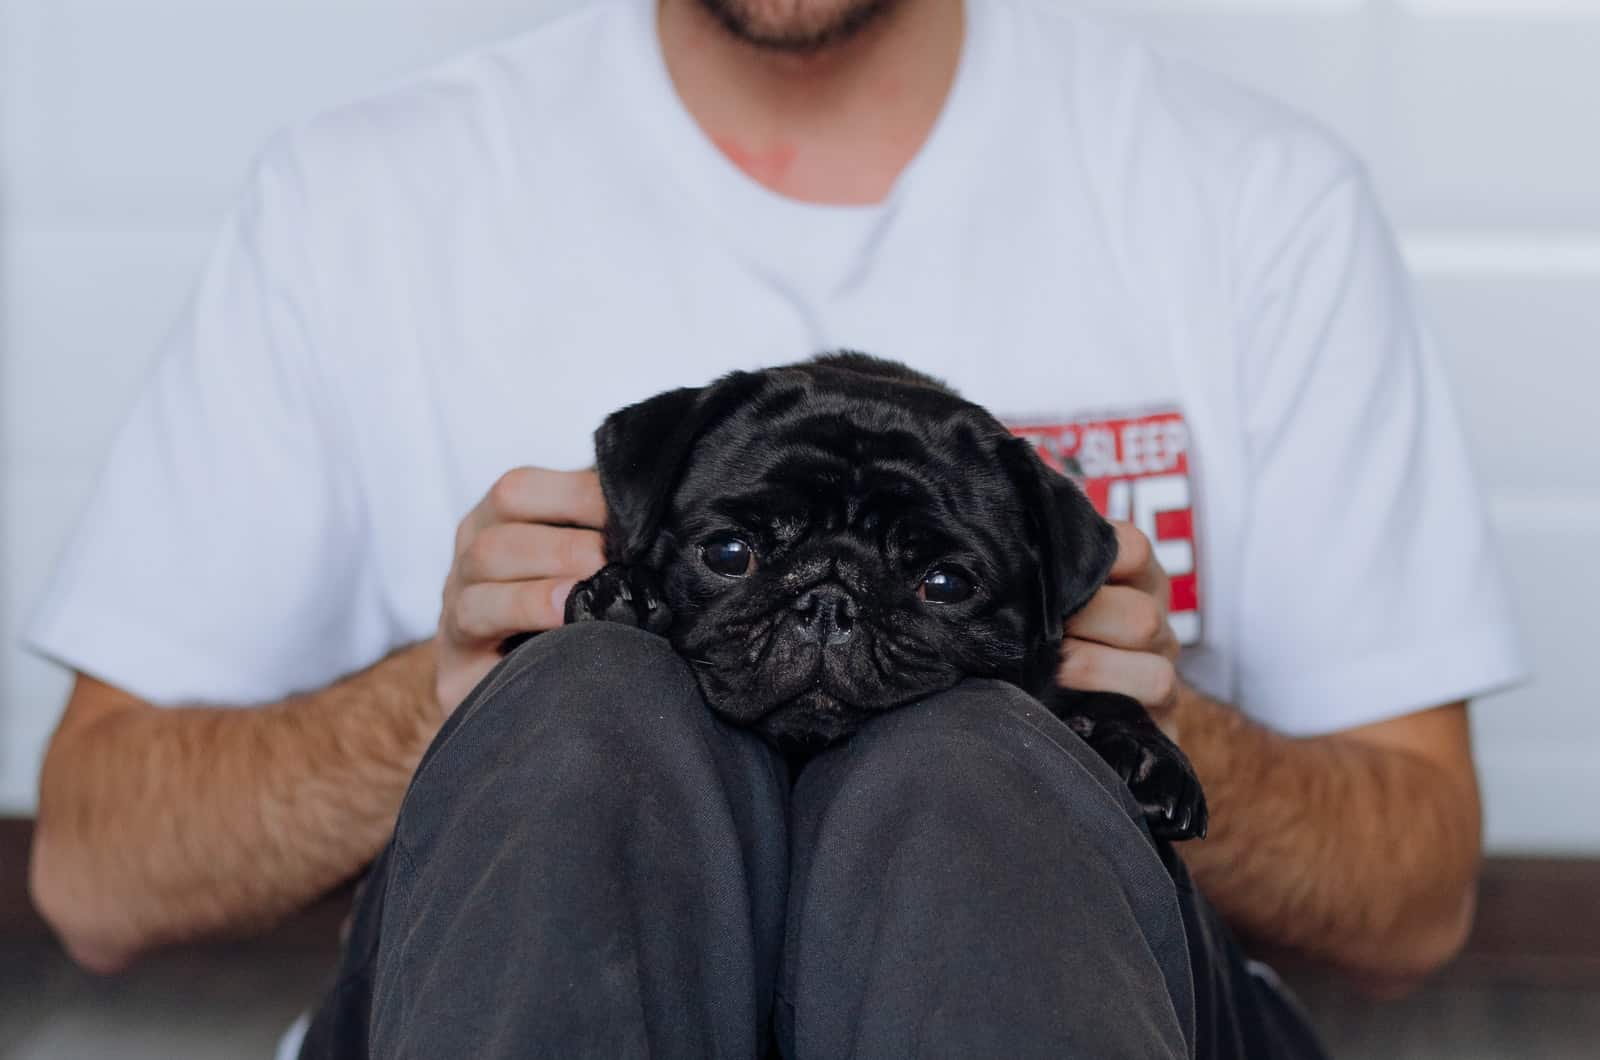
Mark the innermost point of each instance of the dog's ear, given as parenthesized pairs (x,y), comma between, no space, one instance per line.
(640,452)
(1076,546)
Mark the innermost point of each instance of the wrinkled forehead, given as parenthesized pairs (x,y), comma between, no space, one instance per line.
(882,451)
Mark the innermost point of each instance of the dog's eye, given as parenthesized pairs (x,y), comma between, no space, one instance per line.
(730,557)
(946,585)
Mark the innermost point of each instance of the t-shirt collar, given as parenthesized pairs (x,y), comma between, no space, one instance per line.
(817,248)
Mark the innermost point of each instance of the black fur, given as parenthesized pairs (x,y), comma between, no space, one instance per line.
(851,477)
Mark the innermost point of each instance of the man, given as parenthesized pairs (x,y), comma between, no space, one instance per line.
(463,275)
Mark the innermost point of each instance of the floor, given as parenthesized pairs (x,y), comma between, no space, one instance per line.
(232,1005)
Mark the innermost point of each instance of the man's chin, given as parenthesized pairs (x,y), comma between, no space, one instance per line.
(795,26)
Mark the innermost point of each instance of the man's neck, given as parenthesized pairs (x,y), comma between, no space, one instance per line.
(836,126)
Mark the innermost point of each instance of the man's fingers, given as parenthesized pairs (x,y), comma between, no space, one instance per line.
(491,611)
(514,552)
(1136,562)
(1091,667)
(1121,616)
(535,495)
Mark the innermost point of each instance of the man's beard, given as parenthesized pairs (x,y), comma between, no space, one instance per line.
(796,26)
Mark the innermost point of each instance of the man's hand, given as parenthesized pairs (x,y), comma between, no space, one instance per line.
(518,554)
(1121,641)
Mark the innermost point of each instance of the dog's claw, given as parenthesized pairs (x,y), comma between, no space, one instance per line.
(622,594)
(1158,773)
(1181,815)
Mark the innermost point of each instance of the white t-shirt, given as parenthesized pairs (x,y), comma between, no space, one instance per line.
(1186,287)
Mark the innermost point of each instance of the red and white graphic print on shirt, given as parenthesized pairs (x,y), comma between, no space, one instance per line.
(1136,469)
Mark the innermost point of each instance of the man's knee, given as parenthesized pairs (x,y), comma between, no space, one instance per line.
(577,665)
(985,739)
(579,679)
(571,714)
(970,823)
(985,765)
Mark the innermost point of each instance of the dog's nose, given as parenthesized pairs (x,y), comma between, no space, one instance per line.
(827,616)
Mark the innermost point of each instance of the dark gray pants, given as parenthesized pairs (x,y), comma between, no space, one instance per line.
(590,864)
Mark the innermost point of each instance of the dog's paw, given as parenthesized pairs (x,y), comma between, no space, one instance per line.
(630,596)
(1160,776)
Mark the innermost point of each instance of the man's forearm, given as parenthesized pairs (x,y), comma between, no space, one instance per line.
(160,825)
(1359,855)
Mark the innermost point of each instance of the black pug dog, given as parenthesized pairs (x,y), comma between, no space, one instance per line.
(831,540)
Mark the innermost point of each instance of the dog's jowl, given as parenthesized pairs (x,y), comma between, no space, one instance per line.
(831,540)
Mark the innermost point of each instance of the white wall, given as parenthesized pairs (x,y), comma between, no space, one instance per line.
(124,129)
